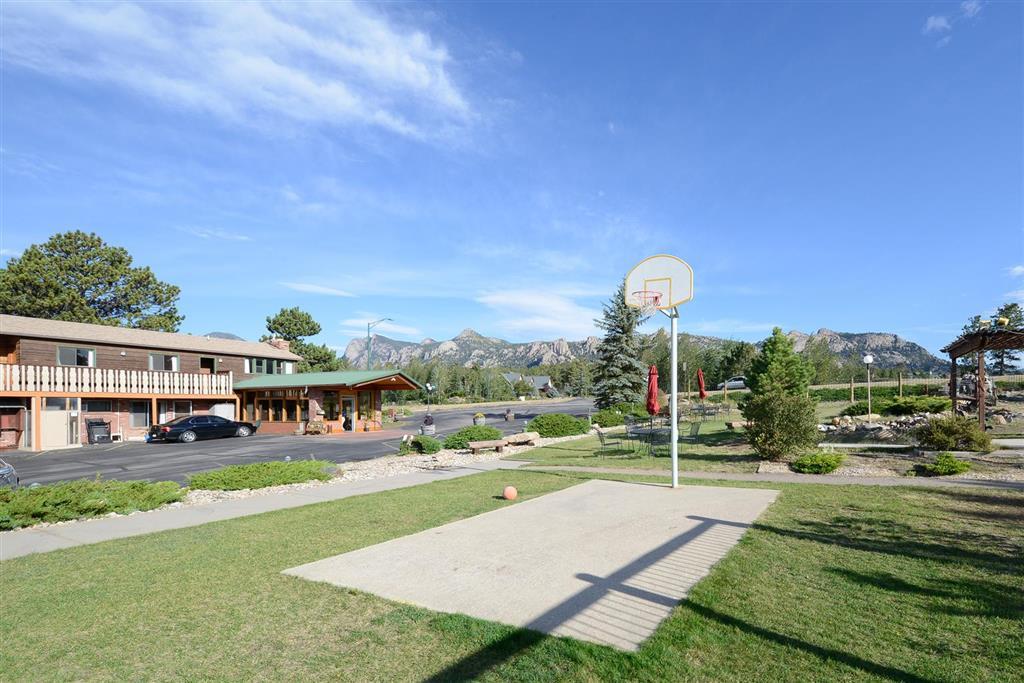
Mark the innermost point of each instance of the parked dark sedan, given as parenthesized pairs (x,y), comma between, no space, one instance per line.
(192,427)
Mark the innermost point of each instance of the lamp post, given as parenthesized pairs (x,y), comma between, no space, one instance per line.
(369,340)
(868,360)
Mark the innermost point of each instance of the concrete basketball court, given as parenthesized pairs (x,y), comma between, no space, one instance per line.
(602,561)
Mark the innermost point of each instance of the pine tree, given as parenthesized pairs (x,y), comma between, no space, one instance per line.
(778,368)
(1005,361)
(620,375)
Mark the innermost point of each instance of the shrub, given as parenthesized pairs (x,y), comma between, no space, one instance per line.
(783,424)
(636,410)
(260,475)
(817,463)
(945,464)
(461,438)
(558,424)
(608,417)
(80,499)
(421,445)
(953,433)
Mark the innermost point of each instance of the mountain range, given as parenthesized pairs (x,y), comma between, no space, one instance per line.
(472,348)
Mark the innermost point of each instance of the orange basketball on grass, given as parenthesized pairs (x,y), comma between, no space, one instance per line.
(510,493)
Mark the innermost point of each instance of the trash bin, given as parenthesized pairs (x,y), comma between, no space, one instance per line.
(98,431)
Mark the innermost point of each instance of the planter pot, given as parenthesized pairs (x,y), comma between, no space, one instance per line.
(479,421)
(428,430)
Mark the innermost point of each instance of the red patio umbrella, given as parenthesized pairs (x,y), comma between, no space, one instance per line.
(652,391)
(700,384)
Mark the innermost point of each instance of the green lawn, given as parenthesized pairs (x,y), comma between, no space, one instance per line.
(717,450)
(833,583)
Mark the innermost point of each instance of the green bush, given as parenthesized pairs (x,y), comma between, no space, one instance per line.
(783,424)
(861,408)
(817,463)
(80,499)
(953,433)
(461,438)
(860,393)
(608,417)
(636,410)
(420,445)
(557,424)
(945,465)
(260,475)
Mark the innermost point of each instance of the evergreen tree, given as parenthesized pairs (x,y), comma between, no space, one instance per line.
(823,364)
(578,380)
(737,359)
(778,367)
(1005,361)
(293,324)
(620,375)
(76,276)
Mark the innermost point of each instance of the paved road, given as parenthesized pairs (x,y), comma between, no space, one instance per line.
(174,461)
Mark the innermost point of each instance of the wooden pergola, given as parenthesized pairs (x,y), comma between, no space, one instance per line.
(979,342)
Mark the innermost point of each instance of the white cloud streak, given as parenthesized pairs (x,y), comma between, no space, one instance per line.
(215,234)
(1016,271)
(357,326)
(543,314)
(729,326)
(936,24)
(260,64)
(316,289)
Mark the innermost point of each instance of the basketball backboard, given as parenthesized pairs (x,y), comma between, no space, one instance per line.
(659,282)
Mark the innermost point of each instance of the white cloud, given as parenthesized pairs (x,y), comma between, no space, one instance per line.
(943,41)
(357,326)
(215,234)
(315,289)
(728,327)
(970,8)
(255,63)
(1017,271)
(1016,295)
(936,24)
(540,313)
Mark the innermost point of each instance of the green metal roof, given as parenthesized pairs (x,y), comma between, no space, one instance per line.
(348,378)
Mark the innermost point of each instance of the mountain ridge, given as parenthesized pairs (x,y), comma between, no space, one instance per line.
(470,347)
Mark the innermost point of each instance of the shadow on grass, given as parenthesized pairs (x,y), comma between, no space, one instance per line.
(997,600)
(895,538)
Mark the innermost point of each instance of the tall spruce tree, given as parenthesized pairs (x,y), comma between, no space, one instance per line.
(1005,361)
(778,367)
(620,375)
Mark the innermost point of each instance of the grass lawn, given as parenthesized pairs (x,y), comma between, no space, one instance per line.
(717,450)
(833,583)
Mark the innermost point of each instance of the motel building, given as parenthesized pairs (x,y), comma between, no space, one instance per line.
(56,377)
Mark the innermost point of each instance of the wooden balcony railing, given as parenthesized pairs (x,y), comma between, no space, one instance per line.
(71,381)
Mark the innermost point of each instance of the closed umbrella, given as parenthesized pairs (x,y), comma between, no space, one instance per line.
(652,391)
(700,384)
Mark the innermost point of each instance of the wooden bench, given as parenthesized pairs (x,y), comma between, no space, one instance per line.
(522,439)
(737,425)
(477,446)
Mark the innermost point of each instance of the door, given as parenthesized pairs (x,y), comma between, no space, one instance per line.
(348,413)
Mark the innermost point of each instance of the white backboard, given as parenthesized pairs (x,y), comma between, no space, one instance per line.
(669,276)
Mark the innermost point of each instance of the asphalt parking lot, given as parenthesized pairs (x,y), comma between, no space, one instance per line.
(175,461)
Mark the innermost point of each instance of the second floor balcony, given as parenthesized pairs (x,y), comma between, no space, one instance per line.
(71,381)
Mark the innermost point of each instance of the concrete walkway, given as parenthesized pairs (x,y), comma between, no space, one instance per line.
(793,478)
(44,539)
(604,561)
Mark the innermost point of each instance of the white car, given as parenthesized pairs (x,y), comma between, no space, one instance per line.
(737,382)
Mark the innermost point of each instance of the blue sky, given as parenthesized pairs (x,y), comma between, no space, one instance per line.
(500,166)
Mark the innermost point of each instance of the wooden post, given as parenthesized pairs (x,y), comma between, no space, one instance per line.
(899,383)
(852,400)
(153,412)
(37,423)
(952,380)
(981,388)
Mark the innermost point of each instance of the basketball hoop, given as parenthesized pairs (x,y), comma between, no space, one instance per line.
(647,300)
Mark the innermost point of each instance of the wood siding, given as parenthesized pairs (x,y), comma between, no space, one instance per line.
(44,352)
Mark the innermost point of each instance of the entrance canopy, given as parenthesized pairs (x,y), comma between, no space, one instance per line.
(383,380)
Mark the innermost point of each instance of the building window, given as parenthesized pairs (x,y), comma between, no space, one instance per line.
(76,356)
(139,416)
(208,365)
(330,405)
(163,361)
(182,408)
(55,404)
(93,405)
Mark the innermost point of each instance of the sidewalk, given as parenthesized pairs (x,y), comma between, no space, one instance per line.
(44,539)
(790,478)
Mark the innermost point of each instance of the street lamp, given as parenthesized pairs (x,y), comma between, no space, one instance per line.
(868,360)
(369,339)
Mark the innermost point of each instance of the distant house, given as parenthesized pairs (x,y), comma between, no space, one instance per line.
(541,384)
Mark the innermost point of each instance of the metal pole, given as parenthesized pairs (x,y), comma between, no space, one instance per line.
(674,399)
(869,390)
(369,346)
